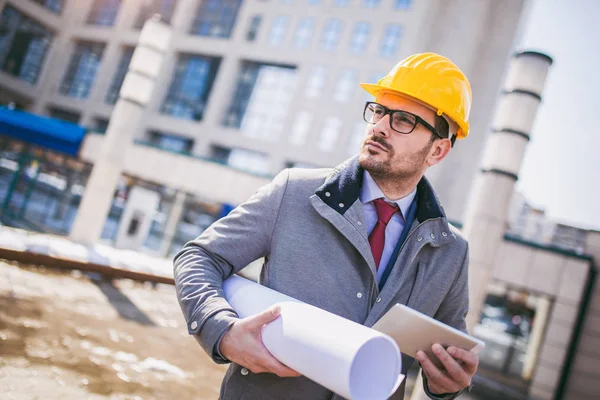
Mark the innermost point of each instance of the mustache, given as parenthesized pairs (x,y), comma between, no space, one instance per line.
(379,140)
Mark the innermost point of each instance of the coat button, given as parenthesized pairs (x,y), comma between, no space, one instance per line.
(358,223)
(244,371)
(432,236)
(359,295)
(341,205)
(378,300)
(420,238)
(444,234)
(327,194)
(194,325)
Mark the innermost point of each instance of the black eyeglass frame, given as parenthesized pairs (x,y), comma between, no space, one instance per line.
(418,120)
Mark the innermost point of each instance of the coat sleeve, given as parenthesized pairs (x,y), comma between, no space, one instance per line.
(453,312)
(222,250)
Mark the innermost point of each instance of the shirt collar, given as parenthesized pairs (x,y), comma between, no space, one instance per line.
(370,191)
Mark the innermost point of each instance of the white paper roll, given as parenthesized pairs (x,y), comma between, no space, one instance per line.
(349,359)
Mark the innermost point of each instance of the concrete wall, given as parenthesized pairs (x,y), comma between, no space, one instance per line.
(584,379)
(563,278)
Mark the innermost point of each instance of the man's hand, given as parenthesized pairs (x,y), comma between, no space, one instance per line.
(460,367)
(243,345)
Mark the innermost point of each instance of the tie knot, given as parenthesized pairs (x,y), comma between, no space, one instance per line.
(384,210)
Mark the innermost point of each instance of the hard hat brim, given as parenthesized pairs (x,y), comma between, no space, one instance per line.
(376,89)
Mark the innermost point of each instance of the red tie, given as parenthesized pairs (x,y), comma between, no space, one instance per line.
(377,236)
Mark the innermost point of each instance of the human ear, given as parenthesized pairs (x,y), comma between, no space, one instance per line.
(439,151)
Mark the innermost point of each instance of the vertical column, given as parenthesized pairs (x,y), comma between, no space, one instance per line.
(542,315)
(487,213)
(135,94)
(171,228)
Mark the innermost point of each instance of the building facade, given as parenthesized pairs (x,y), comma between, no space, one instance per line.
(257,85)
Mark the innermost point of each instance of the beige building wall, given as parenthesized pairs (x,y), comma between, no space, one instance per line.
(560,277)
(477,34)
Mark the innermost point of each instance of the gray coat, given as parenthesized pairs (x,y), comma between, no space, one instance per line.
(309,226)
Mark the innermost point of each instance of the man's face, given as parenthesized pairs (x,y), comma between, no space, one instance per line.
(386,153)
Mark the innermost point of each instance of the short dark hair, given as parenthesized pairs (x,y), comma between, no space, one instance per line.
(442,128)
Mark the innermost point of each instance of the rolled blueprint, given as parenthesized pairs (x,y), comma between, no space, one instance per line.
(347,358)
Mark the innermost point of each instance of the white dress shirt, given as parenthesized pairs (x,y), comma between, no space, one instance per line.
(369,192)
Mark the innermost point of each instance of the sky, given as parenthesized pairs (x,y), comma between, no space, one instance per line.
(561,170)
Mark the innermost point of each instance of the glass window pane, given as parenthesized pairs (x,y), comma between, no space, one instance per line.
(81,72)
(316,82)
(402,4)
(342,3)
(113,91)
(304,32)
(24,45)
(345,86)
(260,103)
(331,34)
(215,18)
(360,38)
(329,134)
(371,3)
(391,40)
(149,8)
(171,142)
(191,85)
(301,128)
(53,5)
(253,28)
(278,29)
(104,12)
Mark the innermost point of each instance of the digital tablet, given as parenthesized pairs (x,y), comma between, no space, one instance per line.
(414,331)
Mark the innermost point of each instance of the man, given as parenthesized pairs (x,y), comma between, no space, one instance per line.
(354,240)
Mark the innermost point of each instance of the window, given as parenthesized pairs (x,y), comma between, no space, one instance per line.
(23,45)
(149,8)
(342,3)
(304,32)
(345,85)
(81,72)
(100,125)
(331,34)
(391,40)
(65,115)
(253,28)
(215,18)
(301,128)
(115,86)
(356,139)
(191,85)
(371,3)
(104,12)
(53,5)
(278,29)
(316,82)
(242,159)
(402,4)
(314,2)
(260,102)
(330,134)
(171,142)
(360,38)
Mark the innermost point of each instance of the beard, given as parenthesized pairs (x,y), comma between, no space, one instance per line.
(390,165)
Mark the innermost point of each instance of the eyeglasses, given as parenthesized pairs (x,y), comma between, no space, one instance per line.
(400,121)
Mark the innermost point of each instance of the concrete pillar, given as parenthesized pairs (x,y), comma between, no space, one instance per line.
(135,94)
(172,222)
(542,315)
(487,213)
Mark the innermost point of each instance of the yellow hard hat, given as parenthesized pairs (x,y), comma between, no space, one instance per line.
(433,80)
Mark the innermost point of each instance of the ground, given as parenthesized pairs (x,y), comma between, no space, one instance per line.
(66,336)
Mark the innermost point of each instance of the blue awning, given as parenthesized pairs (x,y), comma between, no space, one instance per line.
(50,133)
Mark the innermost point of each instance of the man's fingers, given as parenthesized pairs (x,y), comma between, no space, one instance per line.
(434,375)
(455,371)
(270,315)
(470,359)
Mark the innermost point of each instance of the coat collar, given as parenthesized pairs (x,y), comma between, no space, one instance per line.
(342,188)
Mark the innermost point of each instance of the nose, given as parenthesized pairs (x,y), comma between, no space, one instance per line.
(382,127)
